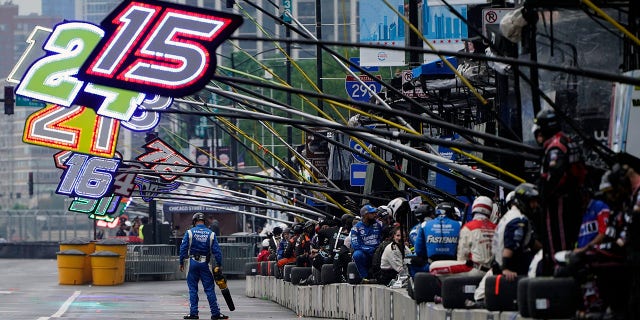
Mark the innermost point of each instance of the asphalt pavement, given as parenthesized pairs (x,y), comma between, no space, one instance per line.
(29,289)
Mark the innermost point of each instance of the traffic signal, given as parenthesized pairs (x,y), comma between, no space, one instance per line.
(30,183)
(9,100)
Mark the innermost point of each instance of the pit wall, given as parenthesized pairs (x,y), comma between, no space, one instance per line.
(359,302)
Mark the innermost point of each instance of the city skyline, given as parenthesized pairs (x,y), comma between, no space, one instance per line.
(28,6)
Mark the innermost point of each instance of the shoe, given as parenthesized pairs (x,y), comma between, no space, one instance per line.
(220,316)
(470,304)
(191,316)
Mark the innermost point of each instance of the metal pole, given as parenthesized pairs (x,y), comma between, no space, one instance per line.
(414,40)
(288,79)
(319,51)
(154,221)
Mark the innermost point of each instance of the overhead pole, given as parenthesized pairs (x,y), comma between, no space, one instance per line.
(319,70)
(415,57)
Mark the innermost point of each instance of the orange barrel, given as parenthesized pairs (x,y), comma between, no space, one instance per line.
(85,245)
(71,266)
(104,268)
(118,246)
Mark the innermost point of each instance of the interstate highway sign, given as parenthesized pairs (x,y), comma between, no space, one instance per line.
(359,92)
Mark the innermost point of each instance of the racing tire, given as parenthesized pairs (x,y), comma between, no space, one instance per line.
(299,273)
(277,272)
(353,276)
(327,275)
(500,294)
(251,268)
(552,298)
(287,272)
(271,268)
(523,304)
(264,268)
(425,287)
(457,289)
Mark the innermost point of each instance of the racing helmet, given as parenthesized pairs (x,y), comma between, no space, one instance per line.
(548,122)
(414,203)
(482,205)
(197,217)
(457,214)
(523,194)
(297,228)
(309,224)
(447,209)
(399,208)
(346,220)
(265,243)
(423,211)
(384,211)
(509,199)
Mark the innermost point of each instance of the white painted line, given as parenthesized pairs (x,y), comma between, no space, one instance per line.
(63,307)
(6,292)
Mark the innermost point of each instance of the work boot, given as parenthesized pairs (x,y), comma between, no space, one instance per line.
(191,316)
(220,316)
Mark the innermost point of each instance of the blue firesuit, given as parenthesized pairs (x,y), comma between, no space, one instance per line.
(364,241)
(198,244)
(438,239)
(281,246)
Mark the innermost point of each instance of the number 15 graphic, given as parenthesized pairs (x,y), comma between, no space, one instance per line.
(158,47)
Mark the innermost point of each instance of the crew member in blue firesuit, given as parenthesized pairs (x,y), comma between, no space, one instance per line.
(198,244)
(439,237)
(366,235)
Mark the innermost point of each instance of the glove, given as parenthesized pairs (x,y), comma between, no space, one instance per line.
(217,270)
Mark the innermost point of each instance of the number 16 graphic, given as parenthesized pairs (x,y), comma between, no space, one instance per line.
(158,47)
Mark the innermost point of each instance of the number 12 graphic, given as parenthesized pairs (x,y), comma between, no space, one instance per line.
(158,47)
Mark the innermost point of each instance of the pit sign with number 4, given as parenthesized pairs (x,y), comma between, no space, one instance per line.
(357,91)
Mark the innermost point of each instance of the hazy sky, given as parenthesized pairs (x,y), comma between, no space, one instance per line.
(28,6)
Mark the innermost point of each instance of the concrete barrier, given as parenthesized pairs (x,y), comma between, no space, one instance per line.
(358,302)
(29,250)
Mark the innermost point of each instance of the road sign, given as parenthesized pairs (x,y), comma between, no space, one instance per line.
(493,16)
(287,5)
(359,151)
(358,91)
(358,174)
(22,101)
(415,92)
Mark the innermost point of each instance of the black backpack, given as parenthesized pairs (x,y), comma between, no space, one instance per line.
(377,258)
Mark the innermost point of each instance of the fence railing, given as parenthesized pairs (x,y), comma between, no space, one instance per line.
(160,260)
(150,259)
(43,225)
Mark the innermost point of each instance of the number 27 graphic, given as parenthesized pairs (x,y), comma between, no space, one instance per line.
(162,49)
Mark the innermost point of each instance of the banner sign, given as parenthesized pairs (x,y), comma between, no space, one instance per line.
(163,159)
(90,80)
(158,47)
(140,57)
(379,25)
